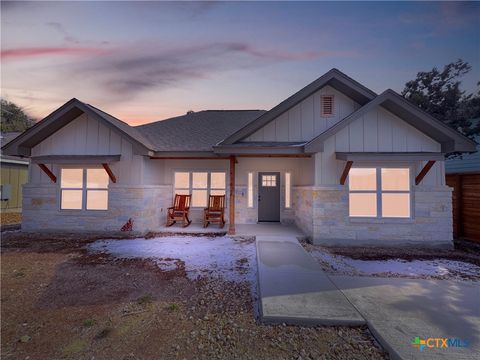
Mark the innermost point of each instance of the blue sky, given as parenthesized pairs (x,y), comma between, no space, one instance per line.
(146,61)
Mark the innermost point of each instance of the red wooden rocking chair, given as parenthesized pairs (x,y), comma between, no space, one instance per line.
(179,210)
(215,211)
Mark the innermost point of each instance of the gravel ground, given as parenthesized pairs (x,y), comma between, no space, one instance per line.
(418,263)
(60,300)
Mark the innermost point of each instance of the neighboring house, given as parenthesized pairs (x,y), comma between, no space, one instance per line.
(344,164)
(14,173)
(463,175)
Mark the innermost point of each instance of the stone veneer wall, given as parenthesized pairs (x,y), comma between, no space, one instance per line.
(302,203)
(431,222)
(145,205)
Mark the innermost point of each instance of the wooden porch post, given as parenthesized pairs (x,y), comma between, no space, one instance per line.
(231,222)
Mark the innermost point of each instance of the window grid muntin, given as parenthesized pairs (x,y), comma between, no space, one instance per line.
(379,192)
(84,190)
(209,189)
(269,180)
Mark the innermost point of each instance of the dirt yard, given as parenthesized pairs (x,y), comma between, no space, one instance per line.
(59,300)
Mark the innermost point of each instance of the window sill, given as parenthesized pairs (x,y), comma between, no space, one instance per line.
(66,212)
(367,220)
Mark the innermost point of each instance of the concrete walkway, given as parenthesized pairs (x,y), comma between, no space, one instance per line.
(294,289)
(398,310)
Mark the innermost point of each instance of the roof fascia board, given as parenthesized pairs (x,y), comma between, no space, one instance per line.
(75,159)
(279,150)
(138,147)
(296,98)
(14,146)
(389,156)
(17,146)
(455,141)
(199,154)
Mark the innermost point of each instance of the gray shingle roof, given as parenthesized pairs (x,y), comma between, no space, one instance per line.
(197,131)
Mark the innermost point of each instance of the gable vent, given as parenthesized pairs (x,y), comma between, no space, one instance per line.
(327,105)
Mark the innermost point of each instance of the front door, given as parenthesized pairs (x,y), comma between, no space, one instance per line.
(268,196)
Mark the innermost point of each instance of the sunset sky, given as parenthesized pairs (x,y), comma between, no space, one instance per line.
(146,61)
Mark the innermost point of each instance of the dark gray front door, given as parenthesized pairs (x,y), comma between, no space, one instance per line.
(269,196)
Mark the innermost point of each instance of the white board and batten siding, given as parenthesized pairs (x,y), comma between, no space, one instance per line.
(304,121)
(377,131)
(87,136)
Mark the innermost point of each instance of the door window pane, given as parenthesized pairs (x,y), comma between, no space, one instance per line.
(269,180)
(200,180)
(362,204)
(395,179)
(396,205)
(199,198)
(362,179)
(182,180)
(217,192)
(72,178)
(97,200)
(97,179)
(71,199)
(217,180)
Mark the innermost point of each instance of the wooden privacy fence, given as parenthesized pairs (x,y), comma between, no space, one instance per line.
(466,205)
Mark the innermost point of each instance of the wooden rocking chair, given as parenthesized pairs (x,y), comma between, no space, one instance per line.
(215,211)
(179,210)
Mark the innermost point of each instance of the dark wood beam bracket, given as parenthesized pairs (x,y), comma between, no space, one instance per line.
(110,173)
(47,171)
(346,170)
(424,171)
(231,218)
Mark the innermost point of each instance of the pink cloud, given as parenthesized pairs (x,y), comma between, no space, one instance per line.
(49,51)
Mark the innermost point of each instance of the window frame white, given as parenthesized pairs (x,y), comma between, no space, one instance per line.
(378,191)
(209,188)
(85,189)
(288,190)
(250,190)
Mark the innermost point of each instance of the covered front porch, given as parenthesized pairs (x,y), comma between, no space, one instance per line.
(259,229)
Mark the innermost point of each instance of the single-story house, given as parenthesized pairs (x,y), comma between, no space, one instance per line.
(342,163)
(14,173)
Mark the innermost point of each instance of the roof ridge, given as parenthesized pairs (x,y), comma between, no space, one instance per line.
(176,118)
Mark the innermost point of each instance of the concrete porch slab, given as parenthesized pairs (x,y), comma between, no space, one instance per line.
(294,289)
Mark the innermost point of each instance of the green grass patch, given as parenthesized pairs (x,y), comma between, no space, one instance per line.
(145,299)
(173,307)
(89,323)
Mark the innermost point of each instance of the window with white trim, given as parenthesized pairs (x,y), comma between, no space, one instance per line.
(380,192)
(200,184)
(327,105)
(288,190)
(83,189)
(250,190)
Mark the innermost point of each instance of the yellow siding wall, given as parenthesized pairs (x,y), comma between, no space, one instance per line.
(16,176)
